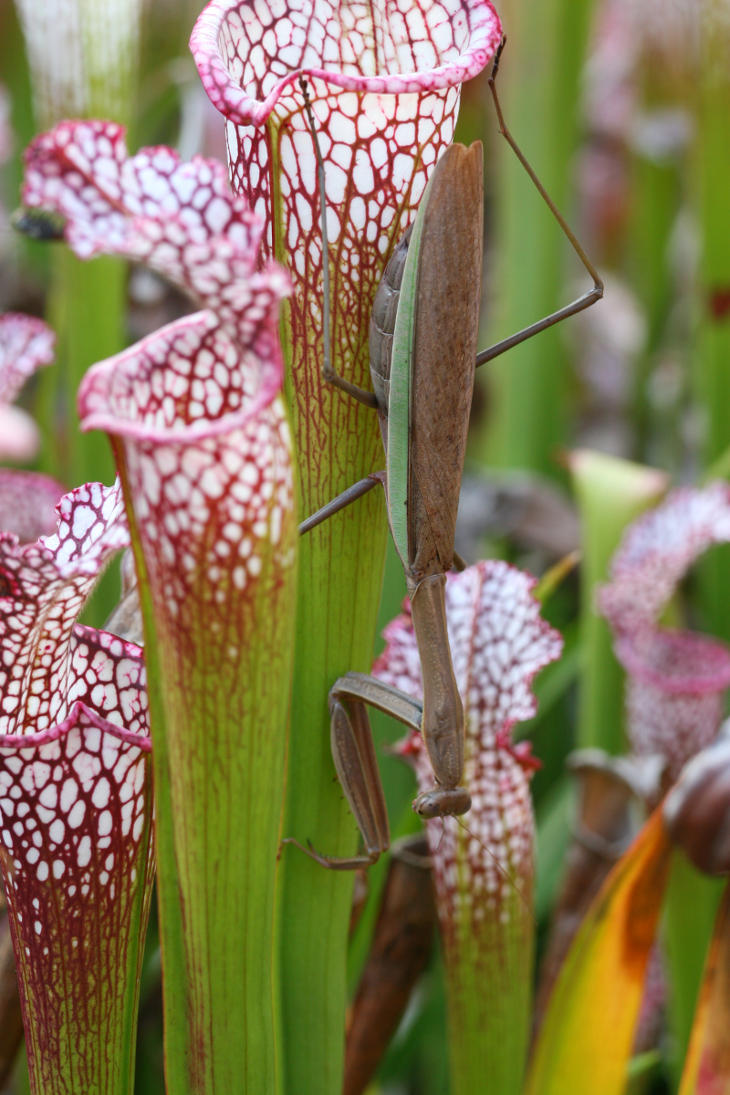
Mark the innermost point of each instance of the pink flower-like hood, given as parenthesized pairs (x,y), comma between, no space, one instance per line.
(25,344)
(249,53)
(676,679)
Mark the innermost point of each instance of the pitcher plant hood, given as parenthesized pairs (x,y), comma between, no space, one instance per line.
(75,800)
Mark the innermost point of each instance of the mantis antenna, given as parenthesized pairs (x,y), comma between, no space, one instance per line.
(500,866)
(323,219)
(327,371)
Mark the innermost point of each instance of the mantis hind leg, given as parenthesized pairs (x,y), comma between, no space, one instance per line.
(582,302)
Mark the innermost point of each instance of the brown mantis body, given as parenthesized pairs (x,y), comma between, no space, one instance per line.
(422,361)
(439,399)
(442,380)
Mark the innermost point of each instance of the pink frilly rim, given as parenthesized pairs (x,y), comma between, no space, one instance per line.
(101,407)
(60,729)
(233,102)
(676,662)
(28,501)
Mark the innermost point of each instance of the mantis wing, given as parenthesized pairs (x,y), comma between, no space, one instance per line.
(432,369)
(399,397)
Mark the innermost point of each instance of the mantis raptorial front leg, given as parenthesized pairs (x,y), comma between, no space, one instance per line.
(353,753)
(423,355)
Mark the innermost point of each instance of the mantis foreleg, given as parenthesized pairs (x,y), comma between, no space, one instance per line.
(355,762)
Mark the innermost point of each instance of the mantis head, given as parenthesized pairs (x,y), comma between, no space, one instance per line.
(442,802)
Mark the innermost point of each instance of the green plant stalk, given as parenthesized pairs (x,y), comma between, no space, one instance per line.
(86,305)
(295,136)
(656,192)
(336,440)
(489,993)
(528,385)
(712,184)
(610,493)
(219,770)
(340,575)
(16,78)
(690,908)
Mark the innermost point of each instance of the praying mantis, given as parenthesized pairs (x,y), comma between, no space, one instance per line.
(422,361)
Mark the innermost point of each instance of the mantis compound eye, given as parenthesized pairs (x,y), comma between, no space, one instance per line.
(442,803)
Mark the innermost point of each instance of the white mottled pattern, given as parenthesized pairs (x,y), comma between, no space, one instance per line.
(26,343)
(658,549)
(207,461)
(384,81)
(179,218)
(206,441)
(498,643)
(676,680)
(54,787)
(247,51)
(75,804)
(77,864)
(43,587)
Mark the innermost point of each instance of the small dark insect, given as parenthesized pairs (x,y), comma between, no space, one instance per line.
(38,224)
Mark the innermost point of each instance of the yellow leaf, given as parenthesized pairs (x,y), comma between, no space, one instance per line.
(586,1038)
